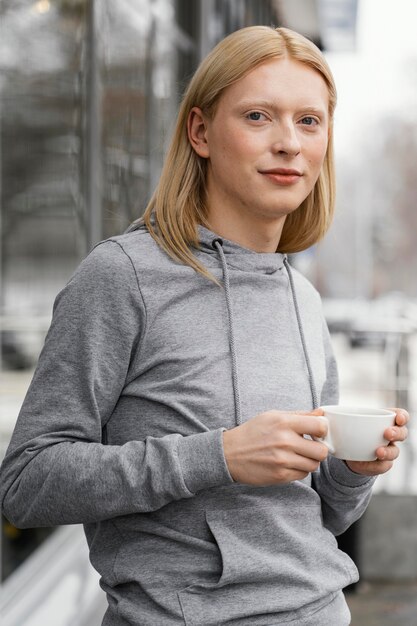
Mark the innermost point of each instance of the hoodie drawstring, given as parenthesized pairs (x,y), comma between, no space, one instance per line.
(218,245)
(302,336)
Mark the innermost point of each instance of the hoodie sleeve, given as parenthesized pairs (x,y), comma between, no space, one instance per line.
(56,470)
(344,494)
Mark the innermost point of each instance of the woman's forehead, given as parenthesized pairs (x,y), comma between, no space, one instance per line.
(279,80)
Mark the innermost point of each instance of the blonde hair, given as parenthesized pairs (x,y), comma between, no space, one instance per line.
(178,203)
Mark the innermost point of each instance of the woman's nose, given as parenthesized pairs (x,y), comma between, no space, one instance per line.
(286,140)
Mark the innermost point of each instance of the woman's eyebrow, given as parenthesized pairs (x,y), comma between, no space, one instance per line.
(253,103)
(269,104)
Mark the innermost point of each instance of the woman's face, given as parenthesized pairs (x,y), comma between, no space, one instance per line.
(266,143)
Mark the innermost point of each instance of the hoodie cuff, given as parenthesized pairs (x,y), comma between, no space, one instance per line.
(202,460)
(344,476)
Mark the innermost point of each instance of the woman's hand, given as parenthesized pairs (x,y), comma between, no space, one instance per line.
(271,449)
(386,455)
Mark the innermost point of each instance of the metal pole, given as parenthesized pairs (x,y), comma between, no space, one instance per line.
(206,27)
(93,163)
(1,299)
(151,109)
(1,333)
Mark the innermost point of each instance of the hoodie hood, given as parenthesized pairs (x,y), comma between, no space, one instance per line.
(237,256)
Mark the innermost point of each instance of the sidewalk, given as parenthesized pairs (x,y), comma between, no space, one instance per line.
(384,604)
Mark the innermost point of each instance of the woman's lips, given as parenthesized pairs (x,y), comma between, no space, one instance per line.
(282,176)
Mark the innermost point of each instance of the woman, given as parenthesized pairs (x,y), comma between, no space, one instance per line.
(186,363)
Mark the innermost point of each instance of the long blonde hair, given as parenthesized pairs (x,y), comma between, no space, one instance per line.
(178,203)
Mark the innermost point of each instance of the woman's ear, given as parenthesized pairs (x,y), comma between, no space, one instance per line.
(197,132)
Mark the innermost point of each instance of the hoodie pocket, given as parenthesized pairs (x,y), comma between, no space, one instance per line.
(278,563)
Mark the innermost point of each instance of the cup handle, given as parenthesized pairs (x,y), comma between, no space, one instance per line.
(327,440)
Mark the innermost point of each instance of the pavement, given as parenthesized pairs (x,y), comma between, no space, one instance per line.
(384,604)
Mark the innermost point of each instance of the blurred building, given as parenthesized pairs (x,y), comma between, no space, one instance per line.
(88,93)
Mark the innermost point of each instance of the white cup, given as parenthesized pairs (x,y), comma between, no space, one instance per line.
(355,433)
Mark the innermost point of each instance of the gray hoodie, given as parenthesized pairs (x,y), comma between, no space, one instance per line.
(161,360)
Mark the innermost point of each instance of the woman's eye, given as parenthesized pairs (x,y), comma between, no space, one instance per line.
(309,121)
(256,116)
